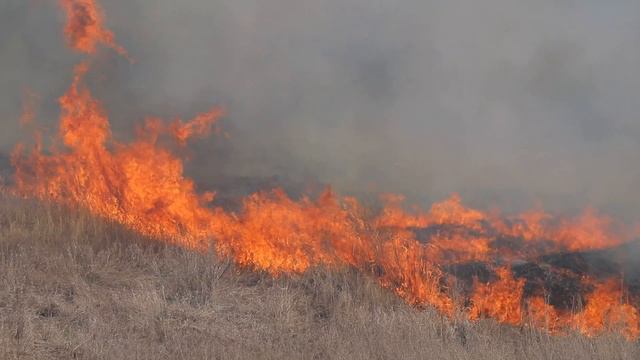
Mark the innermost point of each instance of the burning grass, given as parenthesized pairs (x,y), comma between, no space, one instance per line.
(331,274)
(141,185)
(75,286)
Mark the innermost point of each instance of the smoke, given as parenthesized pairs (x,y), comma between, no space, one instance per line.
(505,102)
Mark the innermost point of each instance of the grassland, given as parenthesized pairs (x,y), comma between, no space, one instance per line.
(73,286)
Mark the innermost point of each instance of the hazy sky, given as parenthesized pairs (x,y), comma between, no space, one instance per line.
(506,102)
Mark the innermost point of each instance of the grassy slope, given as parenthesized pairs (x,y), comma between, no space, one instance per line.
(72,286)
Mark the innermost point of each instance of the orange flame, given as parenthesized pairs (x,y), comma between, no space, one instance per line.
(142,185)
(85,27)
(500,300)
(607,310)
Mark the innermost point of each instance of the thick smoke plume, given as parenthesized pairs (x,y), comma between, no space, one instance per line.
(505,102)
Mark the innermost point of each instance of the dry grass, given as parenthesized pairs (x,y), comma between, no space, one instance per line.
(72,286)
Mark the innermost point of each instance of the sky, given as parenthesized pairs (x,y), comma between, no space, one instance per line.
(508,103)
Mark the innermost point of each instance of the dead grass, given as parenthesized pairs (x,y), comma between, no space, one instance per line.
(72,286)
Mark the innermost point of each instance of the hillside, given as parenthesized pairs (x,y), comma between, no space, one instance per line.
(74,286)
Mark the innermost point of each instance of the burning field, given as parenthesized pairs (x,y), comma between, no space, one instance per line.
(556,274)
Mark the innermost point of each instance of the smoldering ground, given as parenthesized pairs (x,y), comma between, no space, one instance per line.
(505,102)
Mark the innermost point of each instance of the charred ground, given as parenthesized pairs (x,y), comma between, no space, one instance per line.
(564,279)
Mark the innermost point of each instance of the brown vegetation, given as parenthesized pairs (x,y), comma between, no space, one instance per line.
(74,286)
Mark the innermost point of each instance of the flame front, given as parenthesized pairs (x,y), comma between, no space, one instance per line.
(142,185)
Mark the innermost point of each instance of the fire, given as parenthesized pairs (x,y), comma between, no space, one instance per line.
(607,310)
(139,184)
(142,185)
(85,27)
(500,300)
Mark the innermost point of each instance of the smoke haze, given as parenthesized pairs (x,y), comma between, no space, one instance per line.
(505,102)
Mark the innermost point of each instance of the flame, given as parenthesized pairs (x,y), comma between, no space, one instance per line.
(139,184)
(142,185)
(500,300)
(607,310)
(85,27)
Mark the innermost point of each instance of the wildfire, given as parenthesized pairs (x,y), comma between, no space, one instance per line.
(142,185)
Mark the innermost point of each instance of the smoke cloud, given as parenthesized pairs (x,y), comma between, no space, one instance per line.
(507,103)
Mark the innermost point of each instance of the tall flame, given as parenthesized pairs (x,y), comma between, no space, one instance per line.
(142,185)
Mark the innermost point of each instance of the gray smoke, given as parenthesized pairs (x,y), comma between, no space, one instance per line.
(506,102)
